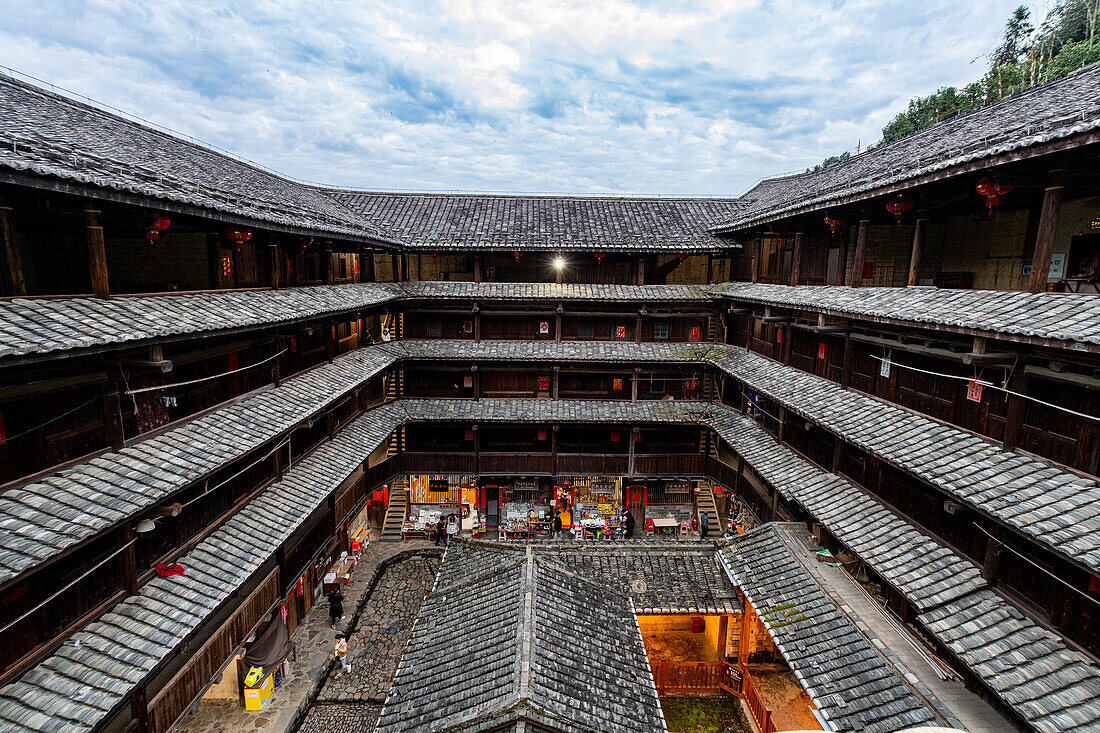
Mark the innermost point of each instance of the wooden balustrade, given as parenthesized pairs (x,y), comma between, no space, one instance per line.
(756,706)
(690,677)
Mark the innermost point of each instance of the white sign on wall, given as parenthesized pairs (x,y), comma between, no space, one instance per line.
(1057,266)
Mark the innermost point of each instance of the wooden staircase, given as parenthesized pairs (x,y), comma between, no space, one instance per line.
(704,502)
(396,511)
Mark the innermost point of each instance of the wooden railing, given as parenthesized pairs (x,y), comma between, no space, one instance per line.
(698,678)
(517,463)
(676,464)
(760,713)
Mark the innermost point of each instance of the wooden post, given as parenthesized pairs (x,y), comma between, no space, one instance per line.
(557,324)
(838,447)
(326,264)
(641,270)
(755,266)
(477,268)
(630,451)
(842,263)
(991,565)
(554,449)
(557,371)
(139,709)
(112,412)
(477,386)
(796,257)
(1014,414)
(395,267)
(97,252)
(781,429)
(9,249)
(846,364)
(634,385)
(638,329)
(1044,240)
(273,264)
(915,254)
(404,267)
(477,326)
(861,253)
(129,561)
(723,625)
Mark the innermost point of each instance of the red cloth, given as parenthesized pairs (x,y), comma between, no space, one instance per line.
(165,571)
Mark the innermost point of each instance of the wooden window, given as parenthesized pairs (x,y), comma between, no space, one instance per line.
(586,329)
(434,327)
(660,330)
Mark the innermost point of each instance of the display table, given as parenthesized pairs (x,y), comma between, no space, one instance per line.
(665,525)
(337,571)
(413,533)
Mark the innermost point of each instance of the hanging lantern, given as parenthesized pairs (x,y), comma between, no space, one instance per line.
(238,236)
(516,256)
(900,205)
(599,257)
(992,192)
(833,224)
(162,223)
(307,243)
(682,256)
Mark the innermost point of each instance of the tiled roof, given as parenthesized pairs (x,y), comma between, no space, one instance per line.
(682,578)
(558,223)
(459,290)
(46,134)
(922,570)
(528,656)
(44,518)
(1055,689)
(853,687)
(567,411)
(88,676)
(575,351)
(1066,317)
(1055,111)
(1033,671)
(1054,507)
(44,325)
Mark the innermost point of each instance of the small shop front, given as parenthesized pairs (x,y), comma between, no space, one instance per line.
(589,506)
(452,497)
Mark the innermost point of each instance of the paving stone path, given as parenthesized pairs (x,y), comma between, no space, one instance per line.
(350,703)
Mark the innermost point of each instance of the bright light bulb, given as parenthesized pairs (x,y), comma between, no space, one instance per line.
(559,263)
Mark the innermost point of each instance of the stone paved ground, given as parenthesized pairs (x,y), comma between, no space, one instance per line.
(350,703)
(313,640)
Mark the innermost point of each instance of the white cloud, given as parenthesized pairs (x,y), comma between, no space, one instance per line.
(558,95)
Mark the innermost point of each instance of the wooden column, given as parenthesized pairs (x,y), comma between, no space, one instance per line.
(97,252)
(477,384)
(554,451)
(641,270)
(796,257)
(838,447)
(630,451)
(634,385)
(273,260)
(554,393)
(404,267)
(1015,413)
(915,254)
(395,266)
(477,268)
(638,329)
(861,253)
(9,250)
(326,264)
(723,624)
(710,267)
(846,364)
(557,324)
(991,565)
(755,265)
(781,429)
(842,264)
(1044,240)
(477,324)
(128,560)
(139,709)
(112,412)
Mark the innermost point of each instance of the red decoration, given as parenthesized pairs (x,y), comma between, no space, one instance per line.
(516,256)
(974,390)
(238,236)
(232,361)
(690,385)
(682,256)
(306,244)
(298,587)
(620,332)
(599,257)
(614,436)
(294,344)
(468,381)
(617,384)
(376,495)
(693,335)
(542,434)
(868,270)
(821,351)
(638,436)
(227,265)
(469,435)
(899,206)
(164,571)
(162,223)
(833,224)
(992,192)
(779,335)
(544,383)
(1094,583)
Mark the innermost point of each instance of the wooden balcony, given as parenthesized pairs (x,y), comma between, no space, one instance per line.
(523,464)
(672,464)
(597,465)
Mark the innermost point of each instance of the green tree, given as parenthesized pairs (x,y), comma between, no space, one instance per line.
(1018,32)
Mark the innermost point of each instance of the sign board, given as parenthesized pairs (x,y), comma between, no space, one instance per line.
(544,327)
(974,390)
(821,351)
(1057,266)
(439,486)
(468,381)
(884,365)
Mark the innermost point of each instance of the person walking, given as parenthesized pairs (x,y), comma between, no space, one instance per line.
(335,606)
(555,528)
(440,532)
(628,524)
(703,524)
(340,651)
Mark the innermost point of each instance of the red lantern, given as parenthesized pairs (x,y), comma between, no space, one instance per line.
(516,256)
(238,236)
(162,223)
(599,257)
(899,206)
(833,224)
(992,192)
(682,256)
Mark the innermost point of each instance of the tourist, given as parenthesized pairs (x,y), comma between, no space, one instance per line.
(555,528)
(340,651)
(440,532)
(628,524)
(703,526)
(335,606)
(370,339)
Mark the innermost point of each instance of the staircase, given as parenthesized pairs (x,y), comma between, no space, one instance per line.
(704,502)
(396,511)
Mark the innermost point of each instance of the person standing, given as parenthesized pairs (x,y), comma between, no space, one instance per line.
(335,606)
(555,528)
(440,532)
(340,651)
(703,526)
(628,524)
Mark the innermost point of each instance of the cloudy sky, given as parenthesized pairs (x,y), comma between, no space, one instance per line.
(548,96)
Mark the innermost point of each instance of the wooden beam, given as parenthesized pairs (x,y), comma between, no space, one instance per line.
(990,359)
(796,257)
(915,252)
(13,259)
(1044,240)
(97,252)
(861,253)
